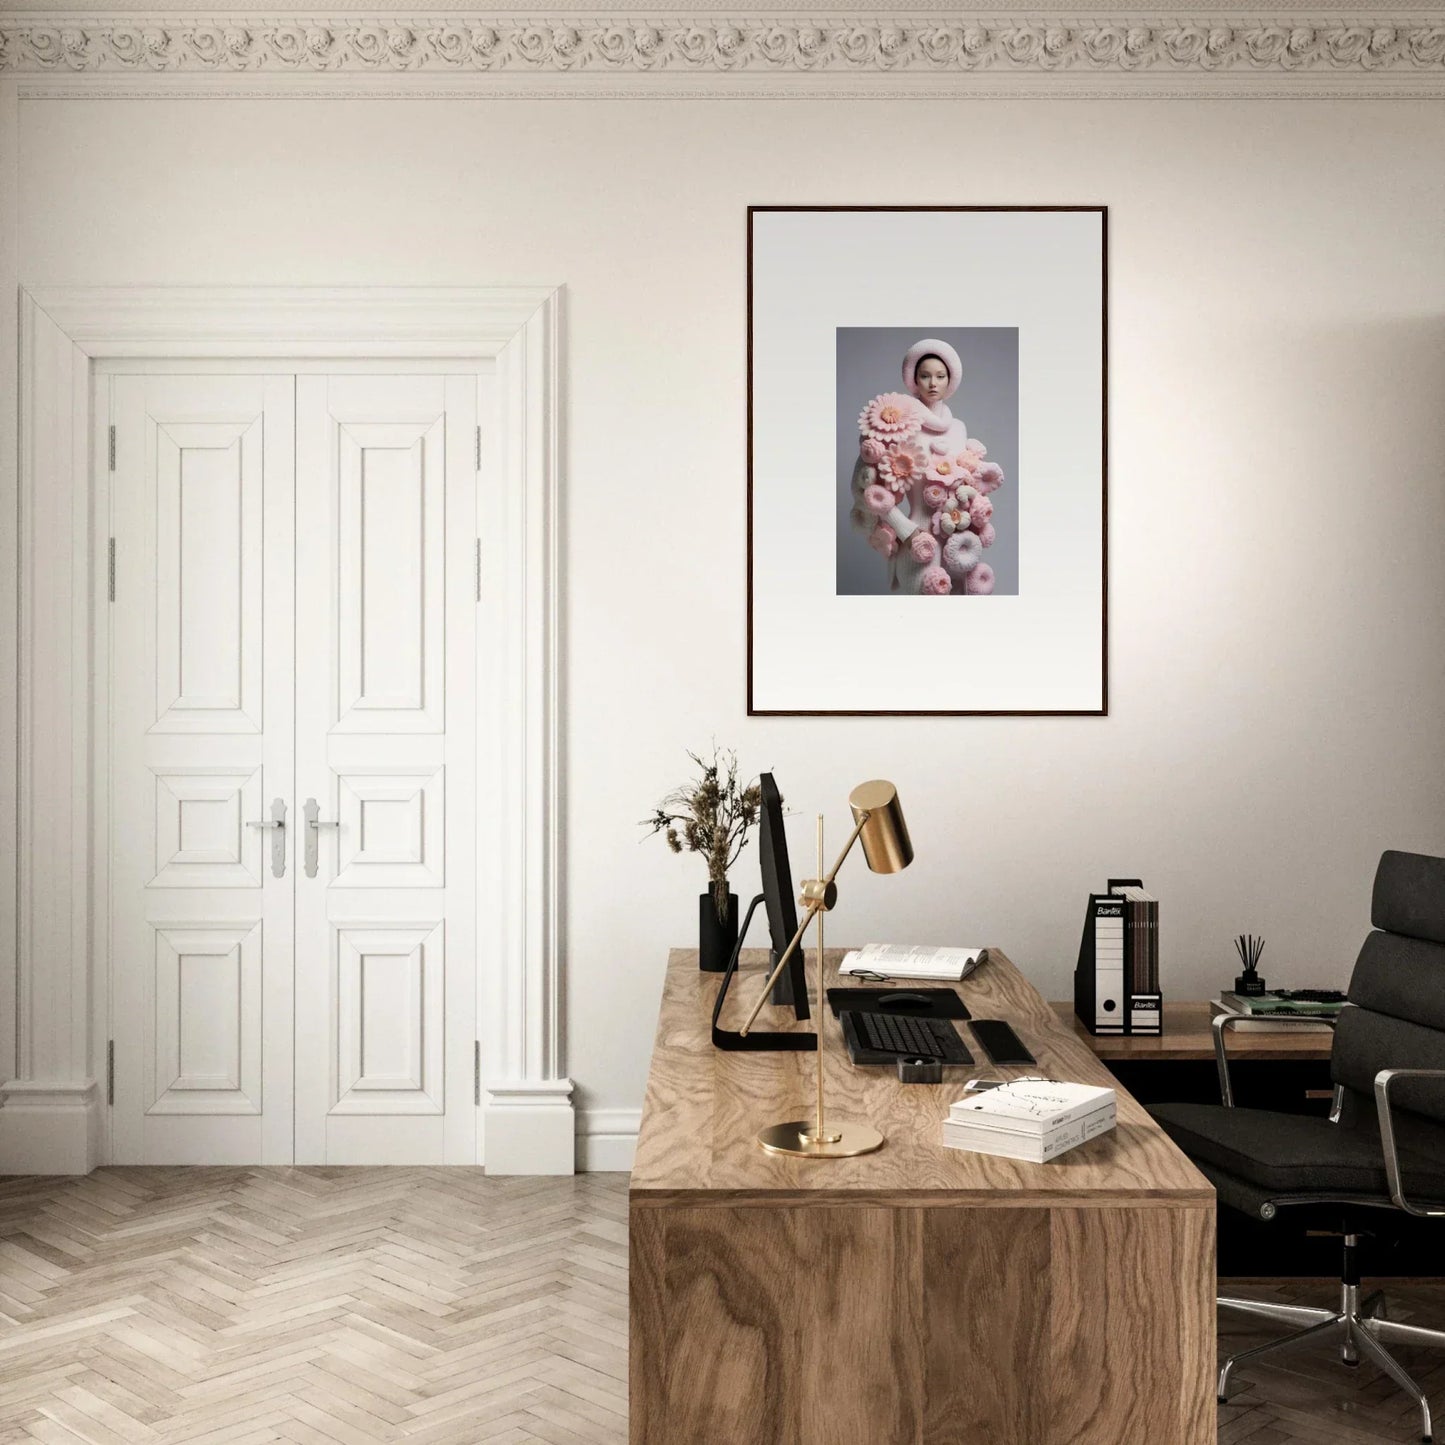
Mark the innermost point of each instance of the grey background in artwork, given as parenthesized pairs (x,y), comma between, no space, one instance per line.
(870,360)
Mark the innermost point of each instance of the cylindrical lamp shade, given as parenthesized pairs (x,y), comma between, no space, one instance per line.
(885,840)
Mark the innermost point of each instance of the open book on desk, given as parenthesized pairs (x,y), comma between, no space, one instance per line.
(902,960)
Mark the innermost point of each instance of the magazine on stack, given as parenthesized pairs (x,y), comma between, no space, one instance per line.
(903,960)
(1033,1119)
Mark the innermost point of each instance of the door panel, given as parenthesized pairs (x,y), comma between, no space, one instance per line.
(385,741)
(208,615)
(201,743)
(390,993)
(389,551)
(201,835)
(392,832)
(208,1019)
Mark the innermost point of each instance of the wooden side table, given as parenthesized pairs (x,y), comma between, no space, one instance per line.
(1187,1037)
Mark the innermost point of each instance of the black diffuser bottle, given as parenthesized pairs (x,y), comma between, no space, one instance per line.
(1249,984)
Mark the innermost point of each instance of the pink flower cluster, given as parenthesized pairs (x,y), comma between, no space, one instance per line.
(902,464)
(957,495)
(889,417)
(896,455)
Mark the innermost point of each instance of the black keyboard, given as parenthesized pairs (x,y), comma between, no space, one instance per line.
(895,1036)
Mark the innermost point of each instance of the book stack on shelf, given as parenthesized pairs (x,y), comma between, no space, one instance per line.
(1033,1119)
(1262,1012)
(1116,983)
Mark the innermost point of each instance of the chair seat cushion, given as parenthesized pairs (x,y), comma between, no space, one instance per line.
(1295,1153)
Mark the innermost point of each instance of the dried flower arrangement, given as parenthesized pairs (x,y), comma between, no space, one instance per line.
(712,816)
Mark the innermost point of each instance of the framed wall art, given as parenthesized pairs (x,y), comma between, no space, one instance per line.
(927,459)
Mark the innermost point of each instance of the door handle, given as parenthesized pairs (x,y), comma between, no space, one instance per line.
(314,825)
(277,823)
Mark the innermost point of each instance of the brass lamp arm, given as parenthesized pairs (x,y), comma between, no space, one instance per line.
(816,905)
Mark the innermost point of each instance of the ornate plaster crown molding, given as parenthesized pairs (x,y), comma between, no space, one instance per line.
(845,52)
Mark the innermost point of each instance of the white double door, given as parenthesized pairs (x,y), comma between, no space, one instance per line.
(293,767)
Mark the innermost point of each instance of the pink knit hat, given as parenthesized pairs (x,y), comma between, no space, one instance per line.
(931,346)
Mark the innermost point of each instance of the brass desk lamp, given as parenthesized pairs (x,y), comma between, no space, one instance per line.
(878,822)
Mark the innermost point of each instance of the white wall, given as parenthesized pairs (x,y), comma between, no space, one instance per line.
(1276,501)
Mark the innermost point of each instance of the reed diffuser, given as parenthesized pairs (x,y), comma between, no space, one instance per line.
(1249,984)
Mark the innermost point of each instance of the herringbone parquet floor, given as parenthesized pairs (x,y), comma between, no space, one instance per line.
(318,1306)
(435,1306)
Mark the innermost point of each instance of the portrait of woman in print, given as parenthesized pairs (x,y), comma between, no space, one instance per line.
(921,486)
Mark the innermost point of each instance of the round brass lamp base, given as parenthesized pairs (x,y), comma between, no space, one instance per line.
(844,1141)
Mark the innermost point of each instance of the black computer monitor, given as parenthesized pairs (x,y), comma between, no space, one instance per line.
(791,987)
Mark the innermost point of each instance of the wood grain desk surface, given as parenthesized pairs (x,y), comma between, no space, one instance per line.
(1187,1036)
(704,1106)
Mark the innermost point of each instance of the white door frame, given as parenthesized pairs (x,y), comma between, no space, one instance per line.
(53,1109)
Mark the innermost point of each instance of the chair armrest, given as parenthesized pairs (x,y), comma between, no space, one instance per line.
(1383,1080)
(1224,1022)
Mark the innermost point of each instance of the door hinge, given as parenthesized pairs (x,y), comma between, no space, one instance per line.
(479,446)
(110,1072)
(477,1072)
(479,569)
(110,569)
(112,448)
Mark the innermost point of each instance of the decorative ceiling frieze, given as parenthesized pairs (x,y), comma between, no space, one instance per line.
(1405,54)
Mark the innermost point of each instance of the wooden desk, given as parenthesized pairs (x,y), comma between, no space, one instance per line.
(1187,1036)
(919,1295)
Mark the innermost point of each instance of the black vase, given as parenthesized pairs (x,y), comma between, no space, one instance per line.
(716,938)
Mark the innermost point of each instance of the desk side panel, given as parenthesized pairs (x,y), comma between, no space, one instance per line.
(1132,1346)
(986,1289)
(647,1327)
(950,1326)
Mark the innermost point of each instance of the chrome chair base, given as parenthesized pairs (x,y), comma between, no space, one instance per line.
(1360,1326)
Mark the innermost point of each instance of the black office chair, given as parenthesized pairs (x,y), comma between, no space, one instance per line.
(1349,1173)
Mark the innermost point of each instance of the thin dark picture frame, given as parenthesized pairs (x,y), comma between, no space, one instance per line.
(1102,211)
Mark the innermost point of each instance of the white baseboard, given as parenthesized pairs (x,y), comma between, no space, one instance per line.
(530,1128)
(55,1129)
(49,1128)
(607,1140)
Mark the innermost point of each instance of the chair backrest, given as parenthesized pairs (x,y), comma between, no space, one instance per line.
(1398,991)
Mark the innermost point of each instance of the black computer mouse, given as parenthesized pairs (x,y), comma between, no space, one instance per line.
(904,1000)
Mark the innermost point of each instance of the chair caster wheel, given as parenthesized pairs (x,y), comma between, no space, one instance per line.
(1221,1399)
(1351,1364)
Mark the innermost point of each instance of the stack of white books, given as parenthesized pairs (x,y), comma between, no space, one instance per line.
(1032,1119)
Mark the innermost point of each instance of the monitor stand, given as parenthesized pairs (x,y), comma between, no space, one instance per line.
(782,994)
(756,1040)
